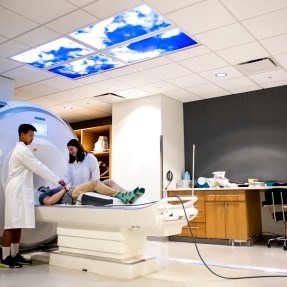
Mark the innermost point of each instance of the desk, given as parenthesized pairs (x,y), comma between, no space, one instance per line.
(225,213)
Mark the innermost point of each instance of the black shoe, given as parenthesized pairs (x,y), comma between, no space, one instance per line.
(9,262)
(21,260)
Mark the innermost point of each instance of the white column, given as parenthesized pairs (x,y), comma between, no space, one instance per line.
(137,127)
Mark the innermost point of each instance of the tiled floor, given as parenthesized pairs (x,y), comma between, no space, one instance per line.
(179,266)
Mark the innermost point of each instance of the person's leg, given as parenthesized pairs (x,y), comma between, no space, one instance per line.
(10,237)
(17,258)
(99,187)
(6,242)
(93,186)
(112,184)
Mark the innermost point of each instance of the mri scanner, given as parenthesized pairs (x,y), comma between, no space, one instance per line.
(49,146)
(107,239)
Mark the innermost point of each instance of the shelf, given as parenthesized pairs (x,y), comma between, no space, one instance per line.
(103,153)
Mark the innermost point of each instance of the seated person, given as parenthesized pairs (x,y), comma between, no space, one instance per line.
(108,187)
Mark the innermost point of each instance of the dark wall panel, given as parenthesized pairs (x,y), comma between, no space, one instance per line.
(244,135)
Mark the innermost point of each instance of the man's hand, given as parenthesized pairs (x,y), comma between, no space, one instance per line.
(62,182)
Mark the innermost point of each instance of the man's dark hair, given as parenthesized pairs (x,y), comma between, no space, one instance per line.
(25,128)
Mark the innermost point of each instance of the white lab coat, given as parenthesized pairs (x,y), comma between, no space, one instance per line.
(19,191)
(81,172)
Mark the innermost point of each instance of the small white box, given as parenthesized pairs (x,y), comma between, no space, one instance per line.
(183,184)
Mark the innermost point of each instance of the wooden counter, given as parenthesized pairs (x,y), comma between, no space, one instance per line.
(225,213)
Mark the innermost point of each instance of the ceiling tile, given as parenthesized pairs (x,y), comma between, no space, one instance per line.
(133,93)
(40,11)
(274,84)
(237,83)
(81,3)
(204,63)
(254,87)
(230,71)
(37,89)
(217,39)
(208,91)
(65,97)
(72,21)
(61,83)
(11,48)
(188,53)
(37,36)
(112,85)
(243,53)
(87,91)
(169,71)
(202,17)
(164,6)
(245,9)
(23,96)
(92,103)
(282,59)
(158,87)
(7,64)
(276,45)
(268,25)
(138,79)
(269,77)
(12,25)
(188,81)
(29,73)
(180,94)
(120,71)
(3,39)
(93,79)
(45,101)
(20,82)
(152,63)
(106,8)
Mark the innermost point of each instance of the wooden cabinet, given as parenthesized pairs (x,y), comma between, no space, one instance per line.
(88,137)
(198,223)
(224,214)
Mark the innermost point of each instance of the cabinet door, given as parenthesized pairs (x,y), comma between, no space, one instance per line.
(215,219)
(236,221)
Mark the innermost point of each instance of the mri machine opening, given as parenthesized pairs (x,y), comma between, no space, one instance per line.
(49,146)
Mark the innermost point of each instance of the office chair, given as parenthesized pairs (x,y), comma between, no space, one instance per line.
(276,201)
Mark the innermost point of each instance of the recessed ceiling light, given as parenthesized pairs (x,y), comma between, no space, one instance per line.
(220,75)
(132,93)
(68,107)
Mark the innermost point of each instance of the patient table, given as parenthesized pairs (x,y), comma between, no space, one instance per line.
(110,240)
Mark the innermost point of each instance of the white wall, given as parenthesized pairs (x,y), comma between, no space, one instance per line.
(173,139)
(6,89)
(137,127)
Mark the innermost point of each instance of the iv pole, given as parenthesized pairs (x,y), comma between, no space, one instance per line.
(192,181)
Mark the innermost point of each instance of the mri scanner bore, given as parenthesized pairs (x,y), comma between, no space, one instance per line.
(49,146)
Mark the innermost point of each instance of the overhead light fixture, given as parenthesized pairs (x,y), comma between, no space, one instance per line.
(122,27)
(135,35)
(158,45)
(220,75)
(53,53)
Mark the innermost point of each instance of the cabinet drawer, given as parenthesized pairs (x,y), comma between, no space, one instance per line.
(198,230)
(200,217)
(225,195)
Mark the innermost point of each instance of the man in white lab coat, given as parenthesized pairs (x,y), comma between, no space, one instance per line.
(19,196)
